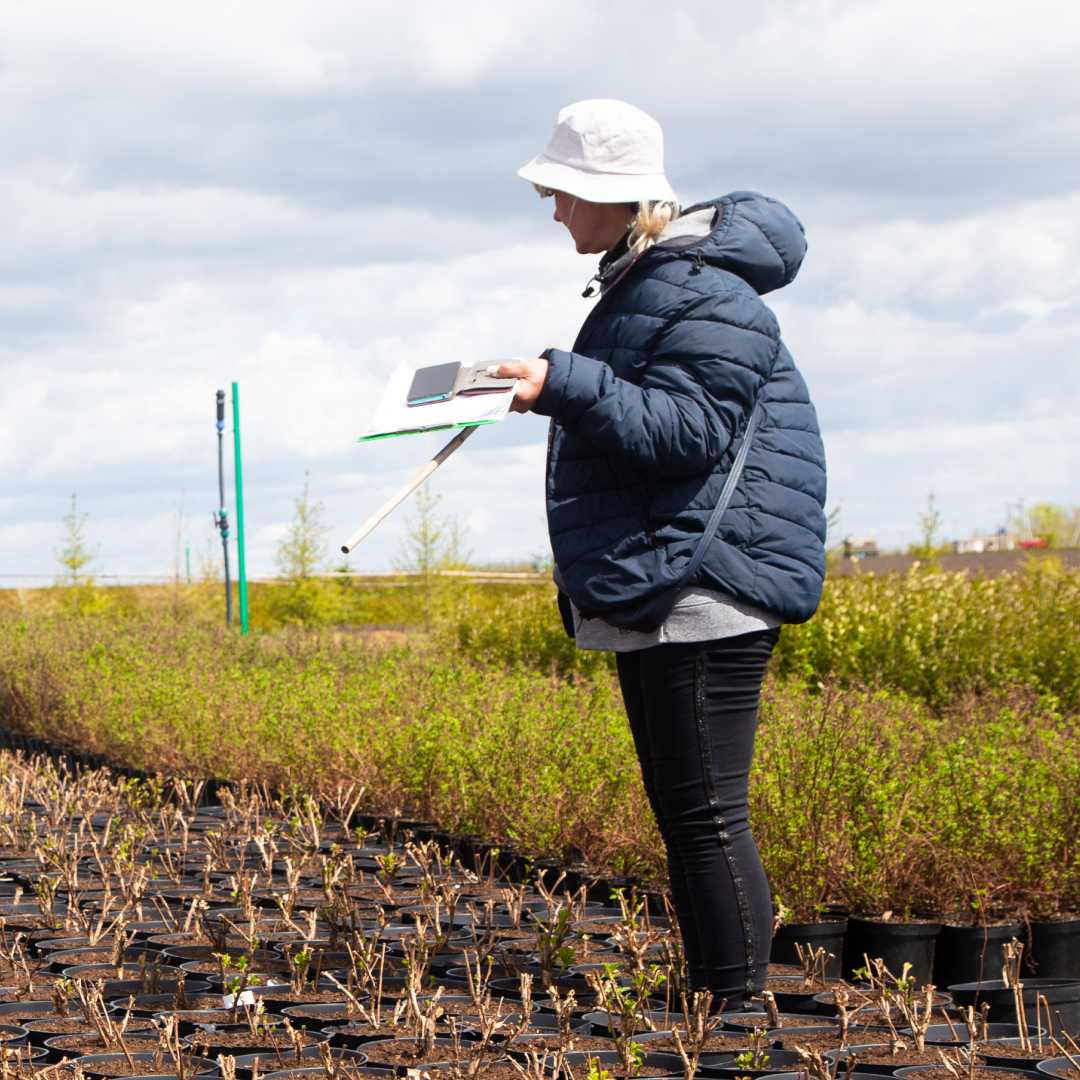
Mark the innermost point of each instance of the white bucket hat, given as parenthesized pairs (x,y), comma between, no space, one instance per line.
(604,151)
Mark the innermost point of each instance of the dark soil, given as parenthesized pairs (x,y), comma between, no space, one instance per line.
(304,894)
(373,892)
(120,1067)
(1069,1073)
(784,1068)
(929,1056)
(614,1070)
(211,1002)
(406,1052)
(59,1026)
(219,1016)
(550,1043)
(338,1014)
(42,981)
(807,1021)
(584,949)
(243,1038)
(467,1008)
(718,1042)
(821,1041)
(211,967)
(94,956)
(283,993)
(94,1044)
(795,986)
(164,941)
(596,926)
(962,921)
(1019,1051)
(498,1071)
(980,1074)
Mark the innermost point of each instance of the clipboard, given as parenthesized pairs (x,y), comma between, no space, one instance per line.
(475,398)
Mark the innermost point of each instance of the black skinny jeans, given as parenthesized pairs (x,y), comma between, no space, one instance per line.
(693,712)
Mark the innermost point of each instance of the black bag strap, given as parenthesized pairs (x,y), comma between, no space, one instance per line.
(722,505)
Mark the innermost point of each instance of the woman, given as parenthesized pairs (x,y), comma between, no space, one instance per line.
(685,494)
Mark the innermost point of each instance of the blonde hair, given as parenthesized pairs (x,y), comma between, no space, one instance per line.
(651,219)
(649,222)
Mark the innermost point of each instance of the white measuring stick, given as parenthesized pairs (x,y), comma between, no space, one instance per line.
(407,490)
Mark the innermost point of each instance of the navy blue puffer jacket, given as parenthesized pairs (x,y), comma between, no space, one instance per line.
(646,408)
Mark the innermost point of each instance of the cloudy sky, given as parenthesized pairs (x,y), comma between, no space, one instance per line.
(298,195)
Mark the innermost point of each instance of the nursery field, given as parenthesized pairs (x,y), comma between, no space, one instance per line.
(918,747)
(146,934)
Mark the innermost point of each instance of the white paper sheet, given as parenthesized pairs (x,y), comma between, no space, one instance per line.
(395,417)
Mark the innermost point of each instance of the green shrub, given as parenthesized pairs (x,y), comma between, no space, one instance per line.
(531,759)
(523,630)
(943,635)
(866,797)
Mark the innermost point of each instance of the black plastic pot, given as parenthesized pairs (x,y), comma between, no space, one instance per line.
(245,1062)
(896,943)
(914,1070)
(55,1053)
(971,953)
(276,998)
(709,1060)
(599,1020)
(511,989)
(1053,1067)
(348,1037)
(190,1021)
(855,1031)
(38,1035)
(1055,950)
(986,1051)
(748,1021)
(37,1010)
(317,1070)
(312,1015)
(787,1058)
(827,934)
(213,1049)
(88,1062)
(343,1041)
(62,959)
(1062,995)
(549,1024)
(12,1035)
(147,1006)
(51,945)
(873,1068)
(172,1076)
(943,1035)
(123,987)
(857,1074)
(671,1063)
(941,1002)
(804,1002)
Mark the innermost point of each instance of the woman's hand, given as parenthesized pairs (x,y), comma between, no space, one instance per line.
(531,375)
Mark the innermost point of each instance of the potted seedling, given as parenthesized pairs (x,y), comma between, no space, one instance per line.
(699,1027)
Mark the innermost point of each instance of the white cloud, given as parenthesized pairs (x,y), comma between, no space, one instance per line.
(298,196)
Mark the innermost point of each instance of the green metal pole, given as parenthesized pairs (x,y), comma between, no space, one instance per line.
(242,576)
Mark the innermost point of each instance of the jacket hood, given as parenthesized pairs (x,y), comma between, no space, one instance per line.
(750,235)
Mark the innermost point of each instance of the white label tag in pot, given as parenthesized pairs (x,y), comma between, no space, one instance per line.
(246,998)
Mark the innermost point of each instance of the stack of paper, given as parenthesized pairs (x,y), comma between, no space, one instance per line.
(395,417)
